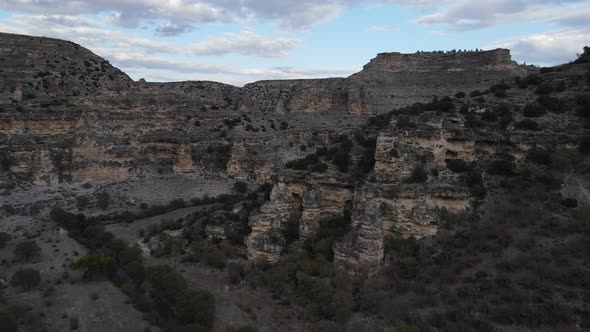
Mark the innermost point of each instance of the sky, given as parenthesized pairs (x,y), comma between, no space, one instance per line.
(241,41)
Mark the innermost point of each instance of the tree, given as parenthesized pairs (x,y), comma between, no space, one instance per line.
(8,322)
(167,282)
(418,175)
(4,238)
(241,187)
(27,250)
(26,279)
(95,263)
(103,200)
(82,202)
(196,307)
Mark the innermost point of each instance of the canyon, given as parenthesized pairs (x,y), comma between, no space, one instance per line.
(346,167)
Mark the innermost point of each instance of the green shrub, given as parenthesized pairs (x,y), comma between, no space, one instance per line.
(539,156)
(460,95)
(533,79)
(489,116)
(584,145)
(583,105)
(499,87)
(544,89)
(501,167)
(527,124)
(533,110)
(554,105)
(82,202)
(402,326)
(545,70)
(25,279)
(522,84)
(8,322)
(27,250)
(418,175)
(94,264)
(303,163)
(458,165)
(103,200)
(196,307)
(166,282)
(319,168)
(570,203)
(74,323)
(475,93)
(241,187)
(405,122)
(500,94)
(4,238)
(215,258)
(136,271)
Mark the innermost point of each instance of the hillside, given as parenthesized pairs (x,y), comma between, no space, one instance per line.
(430,191)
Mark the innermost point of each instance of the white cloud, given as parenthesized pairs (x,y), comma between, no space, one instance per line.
(550,48)
(245,43)
(466,15)
(382,28)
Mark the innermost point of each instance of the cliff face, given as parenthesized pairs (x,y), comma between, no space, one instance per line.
(66,115)
(396,80)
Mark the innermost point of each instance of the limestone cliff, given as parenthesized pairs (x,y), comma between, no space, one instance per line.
(66,115)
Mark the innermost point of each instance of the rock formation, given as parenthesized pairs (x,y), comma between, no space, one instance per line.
(66,115)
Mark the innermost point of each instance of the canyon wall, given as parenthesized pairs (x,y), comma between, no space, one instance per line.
(68,115)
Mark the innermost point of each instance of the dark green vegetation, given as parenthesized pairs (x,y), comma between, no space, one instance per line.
(173,304)
(25,279)
(516,260)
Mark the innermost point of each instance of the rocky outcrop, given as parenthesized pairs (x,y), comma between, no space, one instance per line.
(68,115)
(292,215)
(396,80)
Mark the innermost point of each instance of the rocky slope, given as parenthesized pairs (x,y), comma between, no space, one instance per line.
(66,115)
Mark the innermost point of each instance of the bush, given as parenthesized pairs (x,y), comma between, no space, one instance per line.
(501,167)
(583,106)
(527,124)
(235,273)
(342,160)
(489,116)
(196,307)
(82,202)
(460,95)
(570,203)
(554,105)
(539,156)
(499,87)
(27,250)
(475,93)
(8,322)
(500,94)
(319,168)
(584,146)
(533,79)
(167,282)
(418,175)
(533,110)
(74,323)
(26,279)
(94,264)
(4,238)
(241,187)
(544,89)
(103,200)
(458,165)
